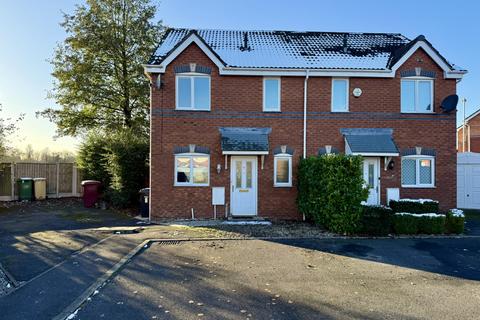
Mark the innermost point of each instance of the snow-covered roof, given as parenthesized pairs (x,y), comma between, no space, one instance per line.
(293,50)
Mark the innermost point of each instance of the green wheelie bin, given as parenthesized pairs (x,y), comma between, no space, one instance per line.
(25,189)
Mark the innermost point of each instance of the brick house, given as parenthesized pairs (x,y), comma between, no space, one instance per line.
(236,110)
(472,136)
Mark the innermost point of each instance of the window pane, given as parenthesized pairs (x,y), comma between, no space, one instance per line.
(238,174)
(200,169)
(424,96)
(272,99)
(183,170)
(425,171)
(202,93)
(283,174)
(371,175)
(408,95)
(249,174)
(409,174)
(184,92)
(339,98)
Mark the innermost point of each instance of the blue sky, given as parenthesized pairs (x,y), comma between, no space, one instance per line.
(29,31)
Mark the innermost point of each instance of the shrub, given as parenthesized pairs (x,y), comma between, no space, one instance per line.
(455,221)
(431,224)
(92,158)
(127,164)
(405,224)
(414,205)
(119,161)
(330,191)
(376,221)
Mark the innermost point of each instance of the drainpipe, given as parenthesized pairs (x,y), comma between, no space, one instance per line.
(305,92)
(464,100)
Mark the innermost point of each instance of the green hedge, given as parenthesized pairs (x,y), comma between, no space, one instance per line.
(455,222)
(405,224)
(330,191)
(418,223)
(376,221)
(414,206)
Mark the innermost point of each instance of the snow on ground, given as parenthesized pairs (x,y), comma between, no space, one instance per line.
(5,285)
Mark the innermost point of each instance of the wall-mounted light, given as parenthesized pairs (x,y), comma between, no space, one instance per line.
(158,82)
(219,168)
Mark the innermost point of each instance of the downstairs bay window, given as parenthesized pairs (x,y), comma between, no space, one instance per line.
(418,171)
(192,170)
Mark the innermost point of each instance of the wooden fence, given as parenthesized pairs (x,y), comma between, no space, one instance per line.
(63,179)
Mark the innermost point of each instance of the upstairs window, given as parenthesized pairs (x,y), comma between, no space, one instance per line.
(192,170)
(417,95)
(282,170)
(418,171)
(193,92)
(339,95)
(271,94)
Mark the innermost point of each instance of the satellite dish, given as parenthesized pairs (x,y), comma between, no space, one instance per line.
(449,103)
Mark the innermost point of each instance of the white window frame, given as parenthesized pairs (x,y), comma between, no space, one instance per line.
(416,80)
(417,159)
(282,156)
(192,76)
(347,94)
(191,183)
(279,94)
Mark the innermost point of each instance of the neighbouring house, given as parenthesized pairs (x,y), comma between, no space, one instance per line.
(471,141)
(234,111)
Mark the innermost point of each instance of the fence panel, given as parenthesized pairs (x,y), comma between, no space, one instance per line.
(64,175)
(65,178)
(5,180)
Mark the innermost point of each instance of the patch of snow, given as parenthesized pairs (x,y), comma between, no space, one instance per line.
(263,223)
(73,315)
(457,213)
(431,215)
(422,201)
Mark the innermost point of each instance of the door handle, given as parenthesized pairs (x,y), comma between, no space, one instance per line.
(233,188)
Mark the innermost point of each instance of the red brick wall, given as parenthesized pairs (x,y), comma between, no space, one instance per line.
(472,129)
(237,101)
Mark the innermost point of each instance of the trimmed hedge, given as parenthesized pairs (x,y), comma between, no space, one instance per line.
(376,221)
(431,225)
(330,191)
(406,223)
(414,206)
(455,222)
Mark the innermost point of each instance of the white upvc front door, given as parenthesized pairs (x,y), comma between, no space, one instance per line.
(243,186)
(371,172)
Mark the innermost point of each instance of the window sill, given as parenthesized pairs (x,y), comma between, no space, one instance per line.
(191,185)
(340,111)
(415,112)
(273,111)
(196,110)
(419,187)
(282,185)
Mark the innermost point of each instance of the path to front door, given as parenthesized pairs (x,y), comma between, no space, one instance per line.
(243,186)
(371,172)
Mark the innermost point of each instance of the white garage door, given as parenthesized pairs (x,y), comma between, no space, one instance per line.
(468,180)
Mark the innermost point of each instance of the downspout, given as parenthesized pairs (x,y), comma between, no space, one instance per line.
(305,92)
(464,100)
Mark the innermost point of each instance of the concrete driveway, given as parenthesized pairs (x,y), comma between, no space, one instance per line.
(296,279)
(35,236)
